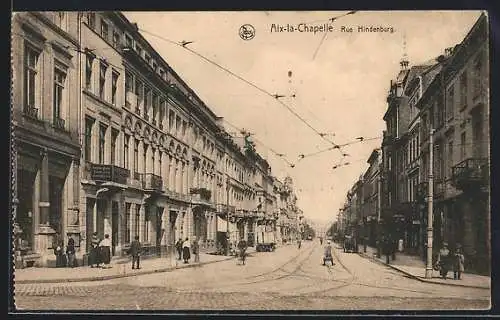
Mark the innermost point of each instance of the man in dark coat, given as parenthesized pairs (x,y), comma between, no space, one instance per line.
(178,246)
(135,252)
(70,251)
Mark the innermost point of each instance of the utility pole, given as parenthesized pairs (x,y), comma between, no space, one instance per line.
(428,268)
(227,221)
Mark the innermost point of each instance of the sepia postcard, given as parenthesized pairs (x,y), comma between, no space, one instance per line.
(250,160)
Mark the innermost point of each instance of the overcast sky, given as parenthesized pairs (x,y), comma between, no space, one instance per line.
(341,91)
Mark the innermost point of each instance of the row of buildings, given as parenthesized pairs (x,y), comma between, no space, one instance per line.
(448,96)
(108,138)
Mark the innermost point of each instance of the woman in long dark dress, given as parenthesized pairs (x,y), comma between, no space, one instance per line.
(186,251)
(94,257)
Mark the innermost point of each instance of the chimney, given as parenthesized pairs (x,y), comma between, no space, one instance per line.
(448,51)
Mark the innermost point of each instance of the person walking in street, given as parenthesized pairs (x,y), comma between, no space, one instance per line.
(94,257)
(196,250)
(135,252)
(444,260)
(242,247)
(178,246)
(186,250)
(328,253)
(105,250)
(321,240)
(458,265)
(70,251)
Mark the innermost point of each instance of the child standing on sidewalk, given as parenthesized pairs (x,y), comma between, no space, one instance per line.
(458,265)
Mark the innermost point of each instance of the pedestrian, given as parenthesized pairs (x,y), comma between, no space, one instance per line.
(458,265)
(444,260)
(58,251)
(94,257)
(178,246)
(186,250)
(135,252)
(105,251)
(328,253)
(196,250)
(70,251)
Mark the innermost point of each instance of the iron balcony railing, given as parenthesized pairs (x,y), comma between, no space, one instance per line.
(470,173)
(152,182)
(109,173)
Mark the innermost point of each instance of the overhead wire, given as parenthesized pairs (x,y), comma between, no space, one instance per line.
(274,96)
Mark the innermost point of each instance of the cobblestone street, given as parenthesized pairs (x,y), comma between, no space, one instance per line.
(288,279)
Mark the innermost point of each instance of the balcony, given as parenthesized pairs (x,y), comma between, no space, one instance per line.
(59,123)
(203,193)
(152,182)
(31,112)
(109,173)
(470,173)
(223,208)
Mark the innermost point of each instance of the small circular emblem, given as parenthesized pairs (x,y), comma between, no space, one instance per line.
(247,32)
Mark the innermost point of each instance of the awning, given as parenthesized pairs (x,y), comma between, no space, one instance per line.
(221,224)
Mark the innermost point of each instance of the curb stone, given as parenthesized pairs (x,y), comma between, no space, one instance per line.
(420,278)
(117,276)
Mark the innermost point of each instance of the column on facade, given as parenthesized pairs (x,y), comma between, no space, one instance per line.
(44,189)
(183,175)
(171,170)
(142,216)
(164,170)
(140,161)
(75,196)
(107,145)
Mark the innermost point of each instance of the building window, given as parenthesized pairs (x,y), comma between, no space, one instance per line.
(59,81)
(162,74)
(147,57)
(155,107)
(153,160)
(104,30)
(139,92)
(450,157)
(127,222)
(463,90)
(146,224)
(136,156)
(163,107)
(125,151)
(116,39)
(462,145)
(89,123)
(31,78)
(88,71)
(171,117)
(114,83)
(177,124)
(91,19)
(478,82)
(60,19)
(137,219)
(129,42)
(184,127)
(147,101)
(145,157)
(114,137)
(102,142)
(102,80)
(138,49)
(159,163)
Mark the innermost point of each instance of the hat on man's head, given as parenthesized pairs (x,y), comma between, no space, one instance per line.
(328,241)
(445,244)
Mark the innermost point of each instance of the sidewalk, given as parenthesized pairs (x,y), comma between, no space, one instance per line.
(414,267)
(121,267)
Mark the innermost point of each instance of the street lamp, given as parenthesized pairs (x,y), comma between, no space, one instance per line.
(428,268)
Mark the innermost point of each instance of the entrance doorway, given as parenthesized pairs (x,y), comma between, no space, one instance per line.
(159,230)
(114,226)
(55,198)
(171,229)
(24,216)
